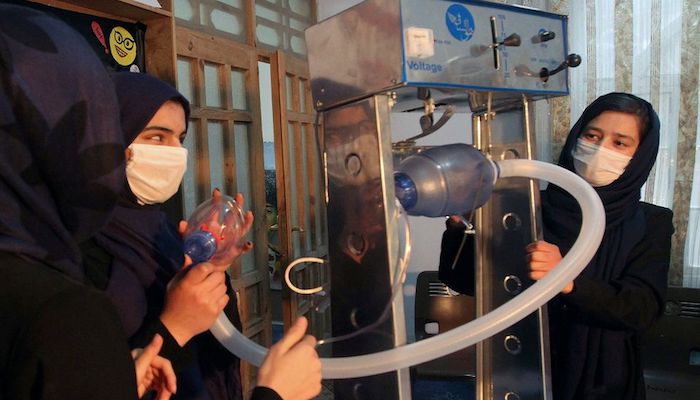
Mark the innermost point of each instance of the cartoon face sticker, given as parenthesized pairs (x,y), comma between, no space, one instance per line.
(122,46)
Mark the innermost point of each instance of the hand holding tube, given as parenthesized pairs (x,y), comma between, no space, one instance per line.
(195,297)
(543,257)
(292,367)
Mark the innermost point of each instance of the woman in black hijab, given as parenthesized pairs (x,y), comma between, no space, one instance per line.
(61,167)
(138,257)
(138,260)
(597,320)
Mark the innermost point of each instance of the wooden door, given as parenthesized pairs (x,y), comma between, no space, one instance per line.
(300,191)
(220,78)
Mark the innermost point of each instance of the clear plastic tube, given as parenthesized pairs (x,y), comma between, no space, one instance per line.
(572,264)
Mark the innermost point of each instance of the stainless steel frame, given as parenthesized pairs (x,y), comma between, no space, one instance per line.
(372,59)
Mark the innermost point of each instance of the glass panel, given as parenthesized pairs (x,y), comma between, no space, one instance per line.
(301,7)
(234,3)
(243,181)
(298,44)
(302,96)
(212,89)
(226,22)
(297,24)
(287,22)
(248,260)
(189,186)
(184,78)
(290,94)
(271,212)
(318,191)
(252,294)
(242,152)
(293,203)
(268,35)
(268,14)
(215,135)
(308,236)
(240,98)
(183,10)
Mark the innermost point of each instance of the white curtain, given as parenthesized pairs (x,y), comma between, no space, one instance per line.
(605,48)
(668,102)
(578,43)
(691,267)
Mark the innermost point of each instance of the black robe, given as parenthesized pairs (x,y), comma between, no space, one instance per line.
(595,331)
(59,338)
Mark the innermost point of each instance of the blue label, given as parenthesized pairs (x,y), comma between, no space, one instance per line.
(459,22)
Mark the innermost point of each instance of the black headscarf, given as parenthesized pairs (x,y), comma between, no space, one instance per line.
(61,149)
(587,347)
(624,223)
(620,198)
(140,240)
(147,253)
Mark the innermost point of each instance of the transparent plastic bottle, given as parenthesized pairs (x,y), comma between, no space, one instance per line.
(215,231)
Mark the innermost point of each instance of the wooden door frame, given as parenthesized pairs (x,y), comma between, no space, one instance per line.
(283,64)
(201,46)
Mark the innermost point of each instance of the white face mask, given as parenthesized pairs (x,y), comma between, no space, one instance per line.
(598,165)
(154,172)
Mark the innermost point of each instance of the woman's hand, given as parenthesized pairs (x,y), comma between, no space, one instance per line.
(292,367)
(153,372)
(542,257)
(195,298)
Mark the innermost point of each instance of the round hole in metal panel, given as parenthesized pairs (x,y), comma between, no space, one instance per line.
(356,243)
(672,308)
(511,222)
(359,392)
(510,154)
(512,344)
(353,164)
(511,396)
(512,284)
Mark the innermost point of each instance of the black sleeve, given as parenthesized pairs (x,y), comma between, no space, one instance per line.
(457,244)
(264,393)
(635,300)
(97,264)
(73,348)
(181,357)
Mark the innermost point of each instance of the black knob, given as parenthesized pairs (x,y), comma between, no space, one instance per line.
(543,36)
(572,60)
(512,40)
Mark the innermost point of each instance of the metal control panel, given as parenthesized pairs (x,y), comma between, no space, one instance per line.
(450,46)
(482,46)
